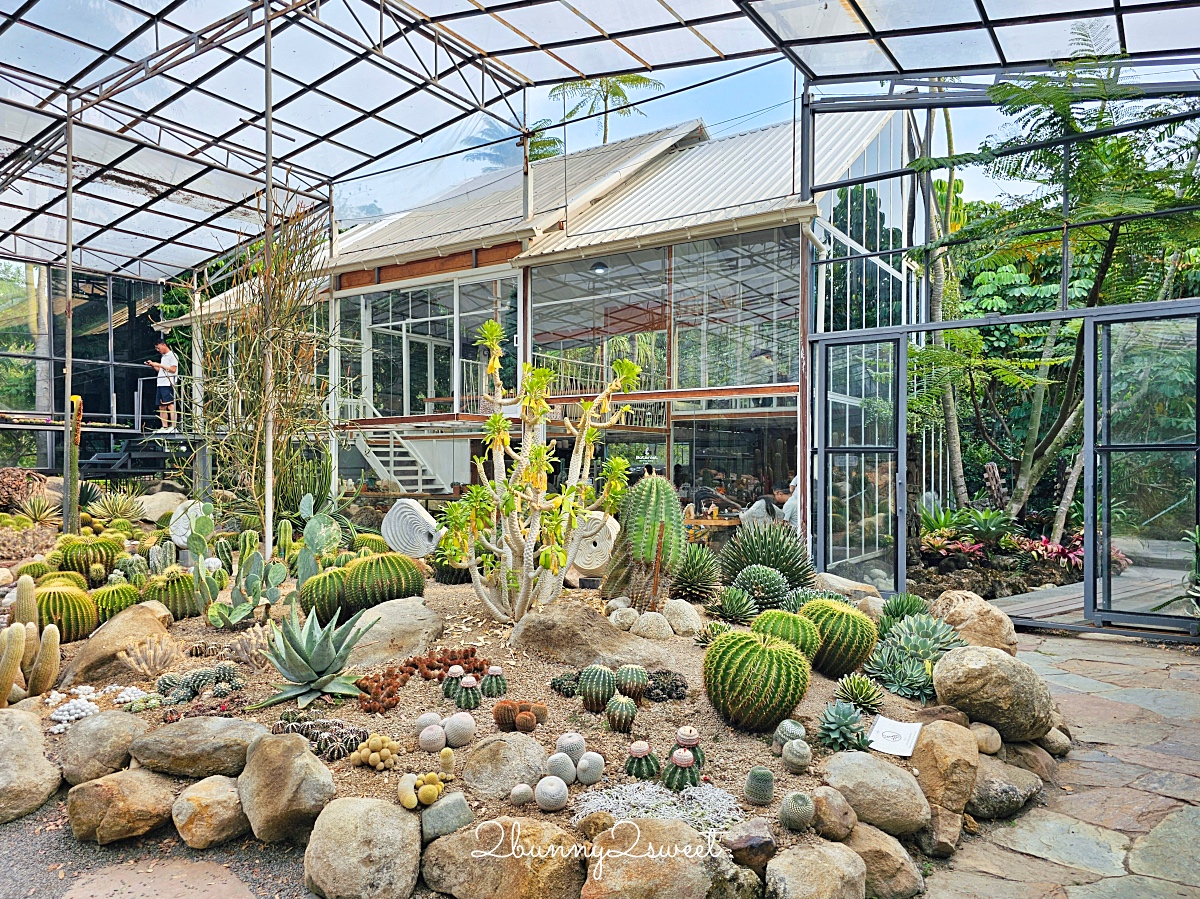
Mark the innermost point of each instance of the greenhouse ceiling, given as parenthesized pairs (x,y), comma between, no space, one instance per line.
(168,100)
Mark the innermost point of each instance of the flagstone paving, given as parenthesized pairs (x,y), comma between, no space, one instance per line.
(1123,820)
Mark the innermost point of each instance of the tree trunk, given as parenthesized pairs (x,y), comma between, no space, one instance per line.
(1068,496)
(1025,480)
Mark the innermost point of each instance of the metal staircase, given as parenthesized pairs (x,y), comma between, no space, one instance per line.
(393,458)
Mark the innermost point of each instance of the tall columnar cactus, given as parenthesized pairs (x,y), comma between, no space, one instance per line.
(847,636)
(379,578)
(24,608)
(323,592)
(44,673)
(175,590)
(284,538)
(794,629)
(754,680)
(652,528)
(114,598)
(162,556)
(71,509)
(597,685)
(223,551)
(68,608)
(12,651)
(247,543)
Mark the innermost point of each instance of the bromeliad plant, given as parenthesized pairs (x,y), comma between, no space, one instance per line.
(311,658)
(515,536)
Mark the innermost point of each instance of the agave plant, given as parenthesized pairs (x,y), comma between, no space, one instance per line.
(733,605)
(116,504)
(898,608)
(311,658)
(41,511)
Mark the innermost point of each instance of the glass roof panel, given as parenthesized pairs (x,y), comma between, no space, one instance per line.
(548,22)
(1168,29)
(100,25)
(1011,9)
(660,49)
(886,15)
(601,56)
(484,31)
(846,58)
(33,51)
(799,19)
(1046,41)
(625,15)
(949,48)
(735,36)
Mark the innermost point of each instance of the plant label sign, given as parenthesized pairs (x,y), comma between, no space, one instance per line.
(893,737)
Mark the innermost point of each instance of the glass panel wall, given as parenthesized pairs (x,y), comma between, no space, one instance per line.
(496,300)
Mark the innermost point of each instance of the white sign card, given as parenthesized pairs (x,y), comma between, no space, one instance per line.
(893,737)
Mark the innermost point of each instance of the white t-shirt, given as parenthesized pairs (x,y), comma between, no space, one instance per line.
(168,360)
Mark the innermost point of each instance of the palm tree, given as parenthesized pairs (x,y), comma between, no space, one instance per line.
(604,96)
(504,155)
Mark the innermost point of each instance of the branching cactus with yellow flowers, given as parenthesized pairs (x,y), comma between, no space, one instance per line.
(516,537)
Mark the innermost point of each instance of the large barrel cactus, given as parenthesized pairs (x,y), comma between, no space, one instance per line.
(323,593)
(67,607)
(114,598)
(88,551)
(175,589)
(774,544)
(847,636)
(754,681)
(378,578)
(794,629)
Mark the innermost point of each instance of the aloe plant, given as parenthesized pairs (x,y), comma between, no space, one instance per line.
(311,658)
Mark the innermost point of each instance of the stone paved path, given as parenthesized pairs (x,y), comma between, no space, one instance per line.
(1123,819)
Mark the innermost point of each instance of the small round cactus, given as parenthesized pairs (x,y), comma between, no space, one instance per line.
(453,678)
(504,713)
(796,812)
(760,786)
(551,794)
(590,768)
(680,771)
(642,763)
(788,729)
(561,766)
(525,722)
(432,738)
(521,794)
(540,711)
(572,744)
(494,683)
(620,711)
(468,695)
(597,685)
(797,756)
(459,729)
(632,681)
(446,762)
(689,738)
(423,721)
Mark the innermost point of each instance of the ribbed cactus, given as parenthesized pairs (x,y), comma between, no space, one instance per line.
(33,570)
(162,556)
(620,712)
(12,651)
(32,641)
(494,683)
(642,763)
(379,578)
(175,590)
(767,586)
(797,811)
(680,771)
(597,685)
(223,551)
(69,608)
(797,756)
(54,558)
(73,578)
(247,543)
(97,575)
(284,539)
(452,681)
(787,729)
(794,629)
(760,786)
(114,598)
(504,713)
(373,542)
(88,551)
(698,577)
(135,569)
(44,673)
(323,593)
(468,695)
(526,722)
(847,636)
(632,681)
(652,531)
(688,738)
(754,680)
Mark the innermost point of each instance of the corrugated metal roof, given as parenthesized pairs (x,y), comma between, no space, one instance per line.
(742,175)
(487,210)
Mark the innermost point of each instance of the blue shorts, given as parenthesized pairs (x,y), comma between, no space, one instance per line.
(166,395)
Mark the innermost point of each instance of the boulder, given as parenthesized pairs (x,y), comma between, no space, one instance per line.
(685,621)
(209,812)
(1031,758)
(1001,790)
(821,871)
(652,626)
(578,635)
(833,818)
(482,862)
(946,756)
(283,787)
(1055,742)
(993,687)
(156,505)
(939,838)
(596,822)
(403,628)
(891,873)
(27,777)
(118,806)
(652,857)
(6,577)
(363,849)
(99,745)
(96,659)
(751,844)
(850,589)
(931,713)
(500,762)
(617,602)
(198,747)
(623,619)
(161,612)
(445,816)
(880,793)
(987,738)
(977,621)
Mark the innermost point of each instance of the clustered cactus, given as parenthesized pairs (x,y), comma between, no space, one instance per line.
(151,656)
(330,738)
(519,716)
(378,751)
(423,789)
(754,680)
(179,689)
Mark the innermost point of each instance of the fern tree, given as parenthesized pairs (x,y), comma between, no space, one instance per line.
(604,97)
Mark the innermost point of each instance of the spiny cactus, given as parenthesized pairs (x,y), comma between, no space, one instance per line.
(841,727)
(562,766)
(620,712)
(24,607)
(33,570)
(114,598)
(859,690)
(504,713)
(526,722)
(135,569)
(73,578)
(162,556)
(642,763)
(796,756)
(284,538)
(379,578)
(799,597)
(774,544)
(373,542)
(698,577)
(175,589)
(688,738)
(632,681)
(651,506)
(452,681)
(766,585)
(847,636)
(88,551)
(619,573)
(796,812)
(69,609)
(794,629)
(12,651)
(734,606)
(97,575)
(680,771)
(468,695)
(494,683)
(323,593)
(754,680)
(44,673)
(760,786)
(597,685)
(550,794)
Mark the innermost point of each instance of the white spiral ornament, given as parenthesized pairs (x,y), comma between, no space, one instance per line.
(408,528)
(599,536)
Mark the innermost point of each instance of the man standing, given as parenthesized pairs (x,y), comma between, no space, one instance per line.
(168,370)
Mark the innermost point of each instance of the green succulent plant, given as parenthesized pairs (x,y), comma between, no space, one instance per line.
(924,637)
(710,632)
(795,629)
(841,727)
(860,691)
(796,599)
(773,544)
(733,605)
(847,636)
(767,586)
(698,577)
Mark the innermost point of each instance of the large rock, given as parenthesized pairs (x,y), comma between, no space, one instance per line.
(987,738)
(939,838)
(198,747)
(500,762)
(121,805)
(852,590)
(579,636)
(833,818)
(363,849)
(993,687)
(445,816)
(209,812)
(653,857)
(483,862)
(99,745)
(821,871)
(977,621)
(891,873)
(403,628)
(96,659)
(27,778)
(880,793)
(751,844)
(283,787)
(1001,790)
(156,505)
(685,621)
(652,626)
(1031,758)
(161,612)
(946,756)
